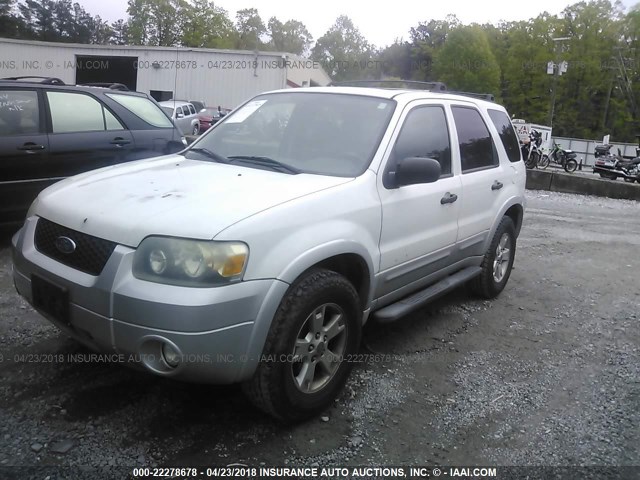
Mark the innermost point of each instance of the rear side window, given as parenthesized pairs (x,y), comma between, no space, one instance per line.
(425,134)
(143,108)
(77,112)
(19,112)
(507,134)
(192,110)
(476,147)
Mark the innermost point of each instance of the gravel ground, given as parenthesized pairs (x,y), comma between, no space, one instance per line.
(548,374)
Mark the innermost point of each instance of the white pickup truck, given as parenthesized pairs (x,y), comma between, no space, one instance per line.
(257,254)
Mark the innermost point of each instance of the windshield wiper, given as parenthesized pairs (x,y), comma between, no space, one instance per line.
(208,153)
(266,161)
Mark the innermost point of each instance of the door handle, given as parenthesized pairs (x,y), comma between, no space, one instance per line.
(119,141)
(31,146)
(497,185)
(448,198)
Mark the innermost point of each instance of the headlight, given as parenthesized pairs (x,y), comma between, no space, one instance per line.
(193,263)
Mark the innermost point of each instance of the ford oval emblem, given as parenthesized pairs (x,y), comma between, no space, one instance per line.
(65,245)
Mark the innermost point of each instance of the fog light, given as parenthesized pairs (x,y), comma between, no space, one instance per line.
(171,355)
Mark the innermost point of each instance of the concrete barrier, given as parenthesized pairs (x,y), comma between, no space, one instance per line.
(571,183)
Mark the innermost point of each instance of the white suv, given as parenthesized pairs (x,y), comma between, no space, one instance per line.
(184,115)
(257,254)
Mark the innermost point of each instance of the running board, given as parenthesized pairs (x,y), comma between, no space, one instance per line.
(409,304)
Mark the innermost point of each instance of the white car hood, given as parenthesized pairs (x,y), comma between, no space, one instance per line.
(171,196)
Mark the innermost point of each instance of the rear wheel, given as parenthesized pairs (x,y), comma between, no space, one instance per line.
(497,262)
(570,165)
(305,359)
(532,161)
(196,129)
(629,180)
(608,176)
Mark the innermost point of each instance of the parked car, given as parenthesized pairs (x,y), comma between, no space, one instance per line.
(49,131)
(207,117)
(257,254)
(183,114)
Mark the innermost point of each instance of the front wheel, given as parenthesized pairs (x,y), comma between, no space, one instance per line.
(305,361)
(544,162)
(497,262)
(629,180)
(570,165)
(196,130)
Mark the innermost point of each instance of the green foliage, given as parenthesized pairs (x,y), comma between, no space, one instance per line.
(343,51)
(465,61)
(291,36)
(250,29)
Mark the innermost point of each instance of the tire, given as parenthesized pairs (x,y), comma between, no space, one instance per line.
(570,165)
(196,129)
(488,285)
(629,180)
(544,162)
(532,162)
(279,385)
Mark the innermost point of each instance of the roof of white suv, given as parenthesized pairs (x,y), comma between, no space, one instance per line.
(391,93)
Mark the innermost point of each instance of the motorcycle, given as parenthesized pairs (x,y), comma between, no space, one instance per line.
(565,158)
(531,152)
(612,166)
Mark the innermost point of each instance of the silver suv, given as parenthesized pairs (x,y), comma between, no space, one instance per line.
(257,254)
(184,115)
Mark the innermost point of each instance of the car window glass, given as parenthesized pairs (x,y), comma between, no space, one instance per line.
(425,134)
(75,112)
(143,108)
(19,112)
(192,111)
(179,111)
(507,134)
(476,146)
(111,121)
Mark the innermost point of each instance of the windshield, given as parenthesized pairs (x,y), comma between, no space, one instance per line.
(320,133)
(169,110)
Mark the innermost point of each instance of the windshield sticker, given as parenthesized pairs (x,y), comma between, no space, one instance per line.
(382,106)
(246,111)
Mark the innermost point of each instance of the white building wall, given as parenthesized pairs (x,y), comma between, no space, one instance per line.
(217,77)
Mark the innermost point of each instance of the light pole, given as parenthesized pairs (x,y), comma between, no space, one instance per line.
(556,73)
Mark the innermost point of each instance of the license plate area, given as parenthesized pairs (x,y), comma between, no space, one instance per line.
(50,298)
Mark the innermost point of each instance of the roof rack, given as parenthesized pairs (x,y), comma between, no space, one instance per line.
(110,85)
(47,80)
(482,96)
(417,85)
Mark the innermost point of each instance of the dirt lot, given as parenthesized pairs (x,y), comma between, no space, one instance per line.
(547,374)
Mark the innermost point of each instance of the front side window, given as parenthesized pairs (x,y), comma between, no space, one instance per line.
(507,134)
(320,133)
(425,134)
(476,147)
(143,108)
(19,112)
(77,112)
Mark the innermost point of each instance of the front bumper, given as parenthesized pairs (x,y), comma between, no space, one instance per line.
(218,332)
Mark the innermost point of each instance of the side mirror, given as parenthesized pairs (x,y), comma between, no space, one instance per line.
(415,170)
(179,115)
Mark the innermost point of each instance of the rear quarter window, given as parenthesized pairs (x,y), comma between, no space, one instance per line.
(143,108)
(507,134)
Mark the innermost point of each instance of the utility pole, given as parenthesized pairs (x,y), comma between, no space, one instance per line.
(557,69)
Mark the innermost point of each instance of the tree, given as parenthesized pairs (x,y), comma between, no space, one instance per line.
(10,24)
(467,63)
(120,31)
(291,36)
(40,15)
(344,52)
(250,29)
(207,26)
(139,22)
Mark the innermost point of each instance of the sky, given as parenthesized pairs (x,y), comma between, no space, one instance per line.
(380,25)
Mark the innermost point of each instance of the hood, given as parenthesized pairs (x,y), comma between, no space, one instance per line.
(170,195)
